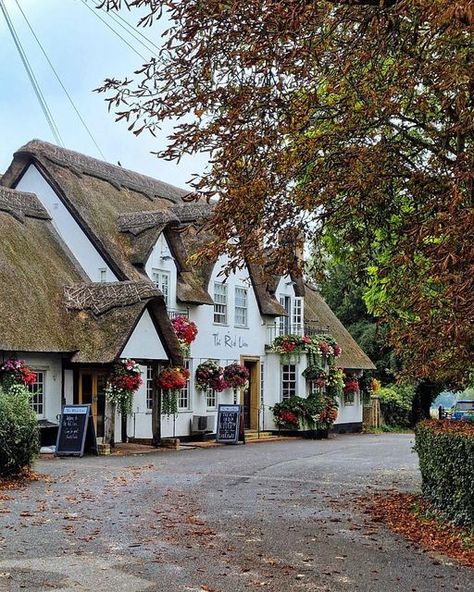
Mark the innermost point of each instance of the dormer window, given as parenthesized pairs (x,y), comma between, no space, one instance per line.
(161,279)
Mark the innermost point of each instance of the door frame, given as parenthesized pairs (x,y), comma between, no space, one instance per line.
(254,389)
(95,373)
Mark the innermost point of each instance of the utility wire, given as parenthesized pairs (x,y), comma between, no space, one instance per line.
(126,26)
(60,81)
(97,14)
(31,75)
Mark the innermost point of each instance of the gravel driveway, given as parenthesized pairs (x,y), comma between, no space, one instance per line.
(277,516)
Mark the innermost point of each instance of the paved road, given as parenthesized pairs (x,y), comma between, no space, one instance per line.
(277,516)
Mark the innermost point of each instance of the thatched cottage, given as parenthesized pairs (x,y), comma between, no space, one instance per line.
(123,243)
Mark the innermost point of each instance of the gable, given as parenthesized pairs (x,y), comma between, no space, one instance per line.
(144,342)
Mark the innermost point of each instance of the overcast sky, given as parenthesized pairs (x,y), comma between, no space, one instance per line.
(84,52)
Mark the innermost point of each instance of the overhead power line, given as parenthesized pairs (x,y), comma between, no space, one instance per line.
(31,75)
(135,33)
(56,75)
(98,15)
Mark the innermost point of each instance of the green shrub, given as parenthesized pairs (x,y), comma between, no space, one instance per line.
(19,442)
(446,453)
(395,404)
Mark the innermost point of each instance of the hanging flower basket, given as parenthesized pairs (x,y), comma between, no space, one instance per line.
(15,371)
(316,375)
(186,332)
(171,381)
(210,376)
(236,376)
(351,386)
(122,384)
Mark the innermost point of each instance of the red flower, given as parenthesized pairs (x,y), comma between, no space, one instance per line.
(289,417)
(306,339)
(337,350)
(185,329)
(324,347)
(173,379)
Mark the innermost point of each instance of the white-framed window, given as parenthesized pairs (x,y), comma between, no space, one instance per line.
(149,387)
(161,279)
(184,398)
(285,322)
(288,381)
(211,399)
(241,307)
(297,315)
(220,303)
(37,391)
(349,399)
(102,275)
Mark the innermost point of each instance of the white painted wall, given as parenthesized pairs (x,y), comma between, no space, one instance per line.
(50,364)
(144,343)
(69,230)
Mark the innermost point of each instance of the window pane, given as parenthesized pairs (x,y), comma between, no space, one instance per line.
(241,307)
(220,303)
(288,381)
(149,387)
(183,398)
(37,397)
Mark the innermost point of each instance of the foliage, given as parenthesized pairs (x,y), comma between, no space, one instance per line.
(210,376)
(122,383)
(316,412)
(320,348)
(19,436)
(353,118)
(335,383)
(15,371)
(345,296)
(236,376)
(446,453)
(396,404)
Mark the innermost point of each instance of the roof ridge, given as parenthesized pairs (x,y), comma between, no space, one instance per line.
(21,204)
(117,175)
(104,296)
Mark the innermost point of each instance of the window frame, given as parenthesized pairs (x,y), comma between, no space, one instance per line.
(288,377)
(244,308)
(149,388)
(34,404)
(157,276)
(186,390)
(224,304)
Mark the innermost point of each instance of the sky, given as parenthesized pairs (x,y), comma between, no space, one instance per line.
(84,52)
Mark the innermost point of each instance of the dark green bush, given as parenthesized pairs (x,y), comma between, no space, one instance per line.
(446,452)
(19,442)
(395,404)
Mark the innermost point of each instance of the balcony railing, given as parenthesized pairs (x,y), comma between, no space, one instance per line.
(278,329)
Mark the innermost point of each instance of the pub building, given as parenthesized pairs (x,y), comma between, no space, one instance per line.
(95,265)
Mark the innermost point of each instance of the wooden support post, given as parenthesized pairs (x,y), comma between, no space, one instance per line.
(109,427)
(156,409)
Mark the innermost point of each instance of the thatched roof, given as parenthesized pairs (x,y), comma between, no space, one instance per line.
(317,312)
(35,269)
(124,213)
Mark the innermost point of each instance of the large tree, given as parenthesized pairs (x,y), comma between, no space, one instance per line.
(348,119)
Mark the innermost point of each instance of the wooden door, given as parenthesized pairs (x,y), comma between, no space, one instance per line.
(250,397)
(92,392)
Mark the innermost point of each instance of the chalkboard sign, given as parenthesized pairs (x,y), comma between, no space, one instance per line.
(228,424)
(76,431)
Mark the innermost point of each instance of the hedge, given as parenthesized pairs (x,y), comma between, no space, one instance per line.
(19,442)
(446,453)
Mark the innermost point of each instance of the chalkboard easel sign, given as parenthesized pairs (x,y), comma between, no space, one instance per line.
(229,424)
(76,432)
